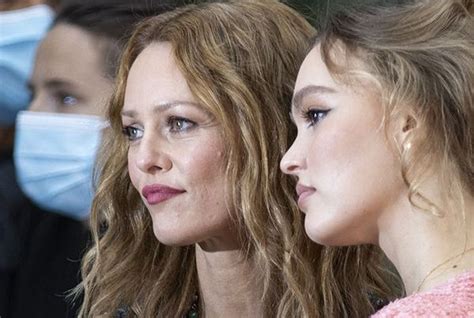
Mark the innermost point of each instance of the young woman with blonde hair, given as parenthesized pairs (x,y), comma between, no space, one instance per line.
(385,149)
(192,215)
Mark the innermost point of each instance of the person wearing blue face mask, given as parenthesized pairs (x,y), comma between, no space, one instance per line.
(58,136)
(22,25)
(56,142)
(20,33)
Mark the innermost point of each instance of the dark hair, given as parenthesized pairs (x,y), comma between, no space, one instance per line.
(111,23)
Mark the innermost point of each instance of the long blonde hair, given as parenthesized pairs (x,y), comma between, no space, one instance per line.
(240,60)
(421,54)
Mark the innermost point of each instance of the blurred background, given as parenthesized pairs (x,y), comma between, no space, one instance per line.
(316,10)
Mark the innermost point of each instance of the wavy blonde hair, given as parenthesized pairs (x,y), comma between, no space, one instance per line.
(421,55)
(240,60)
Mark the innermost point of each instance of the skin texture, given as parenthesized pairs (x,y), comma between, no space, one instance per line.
(354,192)
(342,155)
(175,142)
(68,76)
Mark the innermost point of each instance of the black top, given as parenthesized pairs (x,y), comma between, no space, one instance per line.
(40,255)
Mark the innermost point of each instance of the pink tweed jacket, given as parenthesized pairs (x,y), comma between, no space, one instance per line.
(453,299)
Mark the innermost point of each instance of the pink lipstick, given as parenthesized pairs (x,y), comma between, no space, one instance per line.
(303,192)
(157,193)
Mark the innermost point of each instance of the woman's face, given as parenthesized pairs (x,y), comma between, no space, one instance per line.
(348,175)
(68,76)
(175,156)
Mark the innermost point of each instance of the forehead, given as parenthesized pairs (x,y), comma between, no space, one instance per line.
(350,71)
(68,51)
(156,78)
(351,84)
(313,71)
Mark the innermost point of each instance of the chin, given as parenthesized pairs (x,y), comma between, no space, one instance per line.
(173,237)
(324,234)
(319,238)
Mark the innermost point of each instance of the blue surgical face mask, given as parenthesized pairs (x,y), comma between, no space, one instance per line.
(54,157)
(20,33)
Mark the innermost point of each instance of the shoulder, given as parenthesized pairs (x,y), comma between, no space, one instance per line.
(453,299)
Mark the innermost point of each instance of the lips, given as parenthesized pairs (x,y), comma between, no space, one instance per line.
(157,193)
(303,192)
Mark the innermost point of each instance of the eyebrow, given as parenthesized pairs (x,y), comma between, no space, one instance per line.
(160,107)
(54,83)
(308,90)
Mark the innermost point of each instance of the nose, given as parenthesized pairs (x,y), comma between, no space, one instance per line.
(35,104)
(41,102)
(151,155)
(293,161)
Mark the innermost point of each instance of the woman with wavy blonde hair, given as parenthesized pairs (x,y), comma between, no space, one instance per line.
(385,149)
(192,216)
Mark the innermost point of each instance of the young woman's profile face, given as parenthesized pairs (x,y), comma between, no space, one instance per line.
(176,151)
(348,175)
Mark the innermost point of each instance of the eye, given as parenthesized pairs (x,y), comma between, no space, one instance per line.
(69,100)
(314,116)
(132,133)
(66,99)
(179,124)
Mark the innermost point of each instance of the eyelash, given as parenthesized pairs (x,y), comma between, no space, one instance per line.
(174,120)
(309,116)
(131,131)
(127,131)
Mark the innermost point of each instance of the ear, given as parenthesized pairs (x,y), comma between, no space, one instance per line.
(403,128)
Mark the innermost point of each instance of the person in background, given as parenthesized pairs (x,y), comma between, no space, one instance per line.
(55,146)
(22,25)
(192,216)
(385,146)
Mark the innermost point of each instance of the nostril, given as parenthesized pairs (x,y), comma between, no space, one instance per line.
(289,166)
(285,166)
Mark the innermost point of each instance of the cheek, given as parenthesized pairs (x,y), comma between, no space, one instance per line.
(205,177)
(358,165)
(352,171)
(94,98)
(331,150)
(132,170)
(350,154)
(203,167)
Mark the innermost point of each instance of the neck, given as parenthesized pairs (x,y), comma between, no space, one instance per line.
(428,250)
(228,287)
